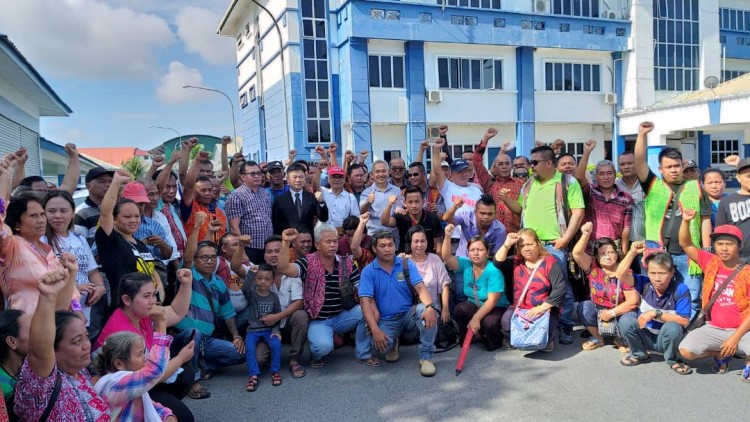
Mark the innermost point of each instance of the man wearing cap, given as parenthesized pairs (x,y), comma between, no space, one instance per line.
(98,180)
(249,210)
(728,319)
(734,208)
(275,171)
(341,204)
(690,170)
(150,231)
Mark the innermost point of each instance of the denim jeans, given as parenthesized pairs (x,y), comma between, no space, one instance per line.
(693,282)
(214,353)
(566,319)
(251,341)
(408,321)
(320,332)
(641,340)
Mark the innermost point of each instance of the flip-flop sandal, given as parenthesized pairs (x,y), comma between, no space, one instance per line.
(633,361)
(252,384)
(374,362)
(621,345)
(721,366)
(592,344)
(206,375)
(681,368)
(275,379)
(317,363)
(297,370)
(199,394)
(746,373)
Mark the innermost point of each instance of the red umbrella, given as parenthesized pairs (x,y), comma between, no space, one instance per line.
(464,351)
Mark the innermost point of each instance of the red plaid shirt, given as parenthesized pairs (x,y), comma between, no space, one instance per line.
(492,186)
(609,216)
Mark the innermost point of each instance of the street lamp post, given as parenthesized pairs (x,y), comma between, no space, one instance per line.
(231,107)
(179,135)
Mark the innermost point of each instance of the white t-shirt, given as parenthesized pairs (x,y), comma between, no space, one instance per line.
(74,243)
(289,291)
(470,194)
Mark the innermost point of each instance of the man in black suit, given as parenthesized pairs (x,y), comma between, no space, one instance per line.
(297,207)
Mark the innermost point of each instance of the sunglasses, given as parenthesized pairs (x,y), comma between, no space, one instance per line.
(398,168)
(414,174)
(536,162)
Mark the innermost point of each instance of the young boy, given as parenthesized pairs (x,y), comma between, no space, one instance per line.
(261,302)
(728,320)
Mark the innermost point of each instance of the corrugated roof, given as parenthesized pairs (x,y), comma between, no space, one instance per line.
(737,87)
(114,155)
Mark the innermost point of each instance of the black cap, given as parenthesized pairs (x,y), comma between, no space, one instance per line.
(273,165)
(96,172)
(743,164)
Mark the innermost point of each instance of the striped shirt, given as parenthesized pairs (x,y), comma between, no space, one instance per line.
(253,209)
(609,216)
(209,300)
(150,227)
(125,392)
(332,305)
(638,220)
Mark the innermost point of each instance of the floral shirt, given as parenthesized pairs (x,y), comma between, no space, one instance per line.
(604,288)
(76,402)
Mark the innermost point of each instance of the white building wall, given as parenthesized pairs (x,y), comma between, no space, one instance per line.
(574,133)
(710,45)
(638,63)
(734,4)
(388,137)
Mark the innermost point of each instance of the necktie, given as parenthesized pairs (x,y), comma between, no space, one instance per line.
(298,205)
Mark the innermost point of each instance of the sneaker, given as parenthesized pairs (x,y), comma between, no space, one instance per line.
(426,368)
(393,356)
(566,336)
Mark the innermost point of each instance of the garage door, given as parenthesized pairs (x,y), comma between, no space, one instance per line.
(13,136)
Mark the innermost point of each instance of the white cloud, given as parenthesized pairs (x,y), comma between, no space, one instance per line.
(170,88)
(196,28)
(86,38)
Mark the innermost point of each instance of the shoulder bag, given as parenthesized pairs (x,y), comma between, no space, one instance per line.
(609,328)
(348,301)
(529,333)
(705,314)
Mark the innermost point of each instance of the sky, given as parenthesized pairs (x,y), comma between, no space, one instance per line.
(120,65)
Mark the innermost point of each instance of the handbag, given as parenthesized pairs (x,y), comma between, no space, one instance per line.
(609,328)
(529,333)
(348,301)
(704,315)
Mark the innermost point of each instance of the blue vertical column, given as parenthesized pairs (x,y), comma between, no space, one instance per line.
(704,150)
(619,140)
(360,95)
(525,126)
(416,127)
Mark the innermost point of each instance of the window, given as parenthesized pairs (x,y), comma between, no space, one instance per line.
(580,77)
(315,56)
(387,72)
(469,73)
(585,8)
(723,148)
(477,4)
(251,93)
(243,100)
(734,20)
(458,150)
(575,148)
(677,45)
(728,75)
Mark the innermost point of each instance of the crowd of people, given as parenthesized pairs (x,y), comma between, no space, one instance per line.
(118,308)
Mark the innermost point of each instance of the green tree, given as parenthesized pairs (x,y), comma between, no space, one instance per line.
(195,150)
(136,167)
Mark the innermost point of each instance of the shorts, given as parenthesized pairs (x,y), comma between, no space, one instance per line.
(709,339)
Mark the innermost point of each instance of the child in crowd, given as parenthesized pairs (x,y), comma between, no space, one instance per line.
(261,302)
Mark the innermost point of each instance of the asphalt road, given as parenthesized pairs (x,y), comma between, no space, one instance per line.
(568,384)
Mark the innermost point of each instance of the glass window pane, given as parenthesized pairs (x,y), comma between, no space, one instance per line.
(321,49)
(487,74)
(307,28)
(595,78)
(323,106)
(587,77)
(443,73)
(374,71)
(323,90)
(308,47)
(320,29)
(325,131)
(558,77)
(568,77)
(585,11)
(320,8)
(594,8)
(557,7)
(307,9)
(486,4)
(312,110)
(548,77)
(577,77)
(312,131)
(310,69)
(496,4)
(679,84)
(465,74)
(310,91)
(454,73)
(476,74)
(322,69)
(398,72)
(498,74)
(386,79)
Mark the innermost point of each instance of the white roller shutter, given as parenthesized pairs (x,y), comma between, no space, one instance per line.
(13,136)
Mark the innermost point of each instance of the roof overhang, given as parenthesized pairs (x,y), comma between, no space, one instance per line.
(19,73)
(231,23)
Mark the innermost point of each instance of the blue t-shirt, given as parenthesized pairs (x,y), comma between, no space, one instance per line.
(389,290)
(491,281)
(676,300)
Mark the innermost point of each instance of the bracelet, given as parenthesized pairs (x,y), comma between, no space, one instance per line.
(614,314)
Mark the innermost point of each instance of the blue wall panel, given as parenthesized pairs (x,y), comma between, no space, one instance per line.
(354,92)
(416,127)
(525,127)
(737,44)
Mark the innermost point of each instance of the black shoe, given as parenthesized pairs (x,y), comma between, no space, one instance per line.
(566,336)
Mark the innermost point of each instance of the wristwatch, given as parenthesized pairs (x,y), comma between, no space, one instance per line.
(657,314)
(432,305)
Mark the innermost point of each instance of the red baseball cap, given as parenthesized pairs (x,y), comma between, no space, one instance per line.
(334,171)
(727,230)
(135,192)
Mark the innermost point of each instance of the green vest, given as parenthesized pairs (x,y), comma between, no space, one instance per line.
(657,205)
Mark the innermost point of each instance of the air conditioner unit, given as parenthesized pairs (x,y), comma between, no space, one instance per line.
(435,97)
(540,6)
(610,98)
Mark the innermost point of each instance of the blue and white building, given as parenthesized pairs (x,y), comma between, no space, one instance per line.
(381,75)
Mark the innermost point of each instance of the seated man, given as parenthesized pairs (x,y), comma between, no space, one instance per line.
(664,312)
(728,317)
(386,296)
(323,279)
(209,301)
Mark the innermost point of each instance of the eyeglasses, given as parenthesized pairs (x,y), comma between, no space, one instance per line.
(206,258)
(415,174)
(398,168)
(254,173)
(534,163)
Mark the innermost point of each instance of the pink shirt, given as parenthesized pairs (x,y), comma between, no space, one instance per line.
(119,322)
(724,313)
